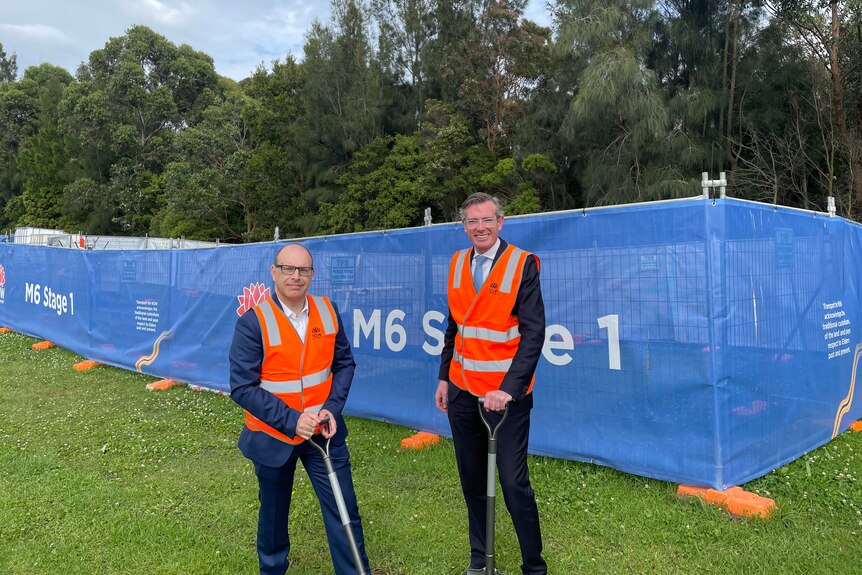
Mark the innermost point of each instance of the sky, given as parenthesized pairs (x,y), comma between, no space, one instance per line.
(238,34)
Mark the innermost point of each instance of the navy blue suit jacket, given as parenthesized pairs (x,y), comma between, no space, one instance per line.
(246,359)
(530,309)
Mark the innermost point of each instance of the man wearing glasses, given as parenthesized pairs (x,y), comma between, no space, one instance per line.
(290,368)
(492,345)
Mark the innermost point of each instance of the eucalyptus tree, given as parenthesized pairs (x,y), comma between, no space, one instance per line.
(132,97)
(405,30)
(495,66)
(785,144)
(829,33)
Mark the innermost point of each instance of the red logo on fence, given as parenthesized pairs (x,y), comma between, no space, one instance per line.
(251,296)
(2,276)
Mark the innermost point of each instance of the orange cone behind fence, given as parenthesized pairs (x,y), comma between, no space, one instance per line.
(162,384)
(85,365)
(736,500)
(42,345)
(420,440)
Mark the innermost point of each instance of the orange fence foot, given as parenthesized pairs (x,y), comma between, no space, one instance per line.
(856,426)
(736,500)
(420,440)
(85,365)
(162,384)
(5,330)
(42,345)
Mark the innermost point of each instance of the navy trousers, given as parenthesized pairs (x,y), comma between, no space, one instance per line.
(471,453)
(275,488)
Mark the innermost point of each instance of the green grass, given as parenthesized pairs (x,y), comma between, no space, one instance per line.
(100,476)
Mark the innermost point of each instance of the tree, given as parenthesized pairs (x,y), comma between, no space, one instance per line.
(406,29)
(818,26)
(44,158)
(8,66)
(619,118)
(223,183)
(384,187)
(394,178)
(278,117)
(18,111)
(498,65)
(785,145)
(342,97)
(131,99)
(457,160)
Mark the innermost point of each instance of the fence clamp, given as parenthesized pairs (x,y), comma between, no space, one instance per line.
(707,184)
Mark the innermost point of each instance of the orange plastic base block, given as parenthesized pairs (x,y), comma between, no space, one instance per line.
(420,440)
(42,345)
(736,500)
(85,365)
(5,330)
(163,384)
(856,426)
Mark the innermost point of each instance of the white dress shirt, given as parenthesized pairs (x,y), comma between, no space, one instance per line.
(298,321)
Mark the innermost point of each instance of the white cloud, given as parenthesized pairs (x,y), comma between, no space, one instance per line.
(238,35)
(35,33)
(162,13)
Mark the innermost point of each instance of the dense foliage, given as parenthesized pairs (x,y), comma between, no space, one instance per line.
(399,105)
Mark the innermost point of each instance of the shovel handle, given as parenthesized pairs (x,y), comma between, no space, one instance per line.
(492,433)
(323,449)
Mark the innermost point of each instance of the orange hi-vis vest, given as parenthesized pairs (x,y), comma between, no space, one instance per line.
(298,374)
(488,334)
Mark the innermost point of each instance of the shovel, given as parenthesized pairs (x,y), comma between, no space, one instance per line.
(492,487)
(339,501)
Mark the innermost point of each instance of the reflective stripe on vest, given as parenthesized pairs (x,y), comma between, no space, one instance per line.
(506,286)
(296,385)
(330,323)
(483,366)
(488,334)
(461,257)
(286,354)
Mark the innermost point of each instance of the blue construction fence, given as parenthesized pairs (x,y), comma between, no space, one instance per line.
(698,341)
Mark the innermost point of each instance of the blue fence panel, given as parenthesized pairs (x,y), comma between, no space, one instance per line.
(701,342)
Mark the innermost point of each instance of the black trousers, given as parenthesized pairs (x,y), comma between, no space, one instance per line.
(471,453)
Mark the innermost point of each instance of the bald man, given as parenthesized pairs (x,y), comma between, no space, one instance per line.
(290,368)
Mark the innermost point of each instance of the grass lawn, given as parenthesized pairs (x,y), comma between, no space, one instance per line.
(100,476)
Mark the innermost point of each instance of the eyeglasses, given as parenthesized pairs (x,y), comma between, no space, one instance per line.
(472,224)
(288,270)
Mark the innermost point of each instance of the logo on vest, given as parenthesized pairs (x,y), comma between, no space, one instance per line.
(492,289)
(316,333)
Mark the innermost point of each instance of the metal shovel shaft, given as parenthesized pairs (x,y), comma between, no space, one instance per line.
(491,491)
(342,507)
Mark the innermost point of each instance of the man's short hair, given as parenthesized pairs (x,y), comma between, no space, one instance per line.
(480,198)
